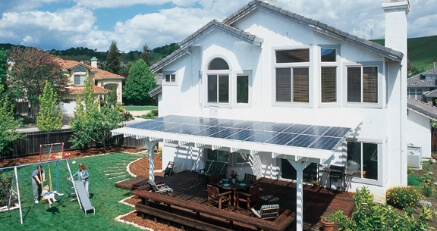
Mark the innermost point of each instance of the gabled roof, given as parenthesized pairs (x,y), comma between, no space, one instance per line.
(431,94)
(419,80)
(98,73)
(316,26)
(423,108)
(185,44)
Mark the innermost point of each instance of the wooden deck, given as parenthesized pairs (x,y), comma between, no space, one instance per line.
(316,203)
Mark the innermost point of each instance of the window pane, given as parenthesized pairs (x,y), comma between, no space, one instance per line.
(300,85)
(354,84)
(173,78)
(212,89)
(79,69)
(293,56)
(242,158)
(283,85)
(354,158)
(167,78)
(218,64)
(243,89)
(329,84)
(223,89)
(328,55)
(79,79)
(370,84)
(370,161)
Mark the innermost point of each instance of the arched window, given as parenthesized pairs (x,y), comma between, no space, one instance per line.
(218,81)
(79,75)
(79,69)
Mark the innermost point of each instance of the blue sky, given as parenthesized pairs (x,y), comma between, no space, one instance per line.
(61,24)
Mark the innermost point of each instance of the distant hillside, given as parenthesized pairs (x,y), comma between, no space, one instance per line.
(422,52)
(83,53)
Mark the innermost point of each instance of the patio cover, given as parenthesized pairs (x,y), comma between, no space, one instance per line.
(300,144)
(284,140)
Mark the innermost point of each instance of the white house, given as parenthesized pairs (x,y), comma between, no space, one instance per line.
(279,71)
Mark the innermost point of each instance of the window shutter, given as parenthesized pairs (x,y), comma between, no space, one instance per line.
(354,84)
(329,84)
(370,84)
(301,85)
(283,85)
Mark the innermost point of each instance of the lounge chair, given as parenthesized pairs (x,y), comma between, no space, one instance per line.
(160,188)
(267,211)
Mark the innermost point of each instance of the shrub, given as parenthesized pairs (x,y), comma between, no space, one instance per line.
(5,187)
(427,185)
(403,197)
(414,180)
(426,165)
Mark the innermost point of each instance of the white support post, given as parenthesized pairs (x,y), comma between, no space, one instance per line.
(299,166)
(150,146)
(18,194)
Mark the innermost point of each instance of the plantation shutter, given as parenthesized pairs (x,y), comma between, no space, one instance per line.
(301,85)
(354,84)
(329,84)
(283,85)
(370,84)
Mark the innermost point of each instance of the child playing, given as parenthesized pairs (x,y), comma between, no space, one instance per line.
(49,196)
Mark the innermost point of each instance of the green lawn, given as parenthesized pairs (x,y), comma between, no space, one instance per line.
(66,214)
(139,108)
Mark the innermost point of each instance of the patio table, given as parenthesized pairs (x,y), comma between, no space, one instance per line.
(237,185)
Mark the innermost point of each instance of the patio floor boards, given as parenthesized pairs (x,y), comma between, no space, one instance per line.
(316,203)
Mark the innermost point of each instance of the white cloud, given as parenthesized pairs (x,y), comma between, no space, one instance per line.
(22,23)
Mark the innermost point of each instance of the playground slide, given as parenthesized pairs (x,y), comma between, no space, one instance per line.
(83,197)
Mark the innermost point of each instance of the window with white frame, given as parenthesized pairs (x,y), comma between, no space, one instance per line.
(170,78)
(218,81)
(362,84)
(217,155)
(328,75)
(79,79)
(242,88)
(362,160)
(415,93)
(292,75)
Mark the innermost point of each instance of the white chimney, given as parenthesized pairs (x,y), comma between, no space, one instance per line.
(396,24)
(94,62)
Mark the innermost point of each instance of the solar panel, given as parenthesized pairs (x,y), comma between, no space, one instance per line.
(302,141)
(298,135)
(282,138)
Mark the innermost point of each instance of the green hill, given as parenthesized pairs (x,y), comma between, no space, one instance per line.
(422,52)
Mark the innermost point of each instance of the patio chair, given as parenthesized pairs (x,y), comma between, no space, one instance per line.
(267,211)
(249,178)
(217,198)
(249,198)
(160,188)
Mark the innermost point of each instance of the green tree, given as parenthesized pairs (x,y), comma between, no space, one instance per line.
(113,59)
(50,116)
(139,82)
(3,67)
(146,55)
(111,100)
(90,123)
(31,68)
(8,124)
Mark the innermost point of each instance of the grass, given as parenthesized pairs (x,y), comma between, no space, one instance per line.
(66,214)
(139,108)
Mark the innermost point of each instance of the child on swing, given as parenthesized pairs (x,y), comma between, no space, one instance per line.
(49,196)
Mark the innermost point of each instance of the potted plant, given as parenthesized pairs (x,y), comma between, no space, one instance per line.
(316,185)
(233,175)
(328,222)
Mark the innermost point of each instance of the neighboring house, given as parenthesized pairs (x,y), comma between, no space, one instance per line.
(271,92)
(420,137)
(103,82)
(423,86)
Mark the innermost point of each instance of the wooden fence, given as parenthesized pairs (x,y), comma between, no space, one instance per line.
(30,144)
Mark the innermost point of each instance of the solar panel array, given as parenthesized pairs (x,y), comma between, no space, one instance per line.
(297,135)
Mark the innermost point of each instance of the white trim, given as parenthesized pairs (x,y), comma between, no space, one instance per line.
(336,64)
(165,83)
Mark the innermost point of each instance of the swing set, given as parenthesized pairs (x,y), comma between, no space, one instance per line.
(13,172)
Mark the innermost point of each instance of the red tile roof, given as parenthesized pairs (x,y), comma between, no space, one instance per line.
(81,90)
(98,73)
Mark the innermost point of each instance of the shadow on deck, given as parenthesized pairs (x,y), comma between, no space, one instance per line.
(316,203)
